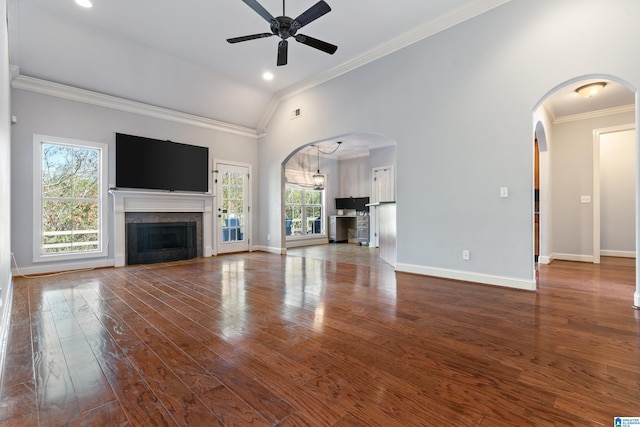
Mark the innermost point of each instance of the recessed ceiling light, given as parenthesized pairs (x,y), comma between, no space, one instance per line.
(84,3)
(591,89)
(267,75)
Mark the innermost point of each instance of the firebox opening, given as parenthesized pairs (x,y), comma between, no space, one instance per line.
(154,242)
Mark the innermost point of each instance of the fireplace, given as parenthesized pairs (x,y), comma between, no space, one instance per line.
(159,207)
(151,242)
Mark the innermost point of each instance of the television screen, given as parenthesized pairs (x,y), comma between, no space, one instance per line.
(344,203)
(356,203)
(146,163)
(360,204)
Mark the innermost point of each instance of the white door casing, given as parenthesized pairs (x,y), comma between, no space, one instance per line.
(382,190)
(597,196)
(233,210)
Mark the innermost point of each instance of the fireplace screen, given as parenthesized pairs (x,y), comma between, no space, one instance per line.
(160,241)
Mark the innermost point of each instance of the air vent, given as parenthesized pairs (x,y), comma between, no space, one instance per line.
(296,113)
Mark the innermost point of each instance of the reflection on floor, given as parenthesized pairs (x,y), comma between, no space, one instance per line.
(325,336)
(342,252)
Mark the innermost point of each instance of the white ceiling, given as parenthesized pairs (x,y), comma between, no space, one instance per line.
(565,103)
(195,32)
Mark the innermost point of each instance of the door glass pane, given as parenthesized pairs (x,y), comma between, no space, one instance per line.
(232,207)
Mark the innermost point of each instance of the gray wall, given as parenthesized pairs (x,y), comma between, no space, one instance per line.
(385,156)
(5,175)
(47,115)
(572,171)
(460,107)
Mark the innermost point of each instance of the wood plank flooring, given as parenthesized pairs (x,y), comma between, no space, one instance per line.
(319,337)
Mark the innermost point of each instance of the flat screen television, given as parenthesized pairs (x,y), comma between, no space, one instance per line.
(353,203)
(360,204)
(145,163)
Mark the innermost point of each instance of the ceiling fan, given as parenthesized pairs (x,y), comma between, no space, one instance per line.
(285,27)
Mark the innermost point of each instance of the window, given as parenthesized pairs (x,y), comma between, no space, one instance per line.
(303,211)
(69,193)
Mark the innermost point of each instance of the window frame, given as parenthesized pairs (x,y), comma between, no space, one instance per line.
(303,206)
(103,239)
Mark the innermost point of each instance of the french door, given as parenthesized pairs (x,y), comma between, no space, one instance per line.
(233,210)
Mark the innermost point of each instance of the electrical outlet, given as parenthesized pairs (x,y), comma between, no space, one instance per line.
(585,199)
(465,255)
(504,192)
(268,237)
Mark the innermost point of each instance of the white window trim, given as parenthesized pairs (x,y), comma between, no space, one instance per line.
(38,256)
(324,210)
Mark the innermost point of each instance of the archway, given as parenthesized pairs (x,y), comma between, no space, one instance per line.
(541,203)
(570,138)
(348,174)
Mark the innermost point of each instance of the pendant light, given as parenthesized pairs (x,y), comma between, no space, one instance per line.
(318,178)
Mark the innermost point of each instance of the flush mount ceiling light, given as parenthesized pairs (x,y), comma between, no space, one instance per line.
(84,3)
(592,89)
(268,76)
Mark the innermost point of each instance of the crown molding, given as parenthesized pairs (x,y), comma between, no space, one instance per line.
(71,93)
(593,114)
(424,31)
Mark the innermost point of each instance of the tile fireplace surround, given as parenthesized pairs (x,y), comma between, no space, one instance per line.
(148,201)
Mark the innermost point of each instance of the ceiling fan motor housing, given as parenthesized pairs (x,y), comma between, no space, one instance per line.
(281,27)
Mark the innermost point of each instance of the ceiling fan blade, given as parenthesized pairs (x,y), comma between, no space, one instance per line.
(251,37)
(313,13)
(318,44)
(283,51)
(253,4)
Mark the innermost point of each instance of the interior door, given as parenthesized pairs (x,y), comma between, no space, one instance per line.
(382,190)
(233,210)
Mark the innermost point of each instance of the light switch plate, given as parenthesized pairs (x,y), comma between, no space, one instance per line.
(504,192)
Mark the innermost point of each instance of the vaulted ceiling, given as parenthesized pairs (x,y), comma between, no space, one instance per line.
(175,54)
(137,49)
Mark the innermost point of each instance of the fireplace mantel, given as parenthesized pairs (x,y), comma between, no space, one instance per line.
(150,201)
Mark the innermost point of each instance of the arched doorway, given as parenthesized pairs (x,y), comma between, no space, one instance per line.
(571,124)
(349,172)
(540,195)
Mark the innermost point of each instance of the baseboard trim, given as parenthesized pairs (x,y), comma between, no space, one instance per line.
(307,242)
(545,259)
(573,257)
(270,249)
(466,276)
(57,268)
(619,254)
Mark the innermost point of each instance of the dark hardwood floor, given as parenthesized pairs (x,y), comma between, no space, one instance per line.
(320,338)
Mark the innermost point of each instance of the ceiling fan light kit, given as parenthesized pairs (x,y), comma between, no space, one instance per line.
(286,27)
